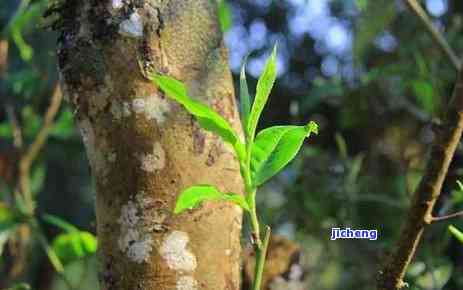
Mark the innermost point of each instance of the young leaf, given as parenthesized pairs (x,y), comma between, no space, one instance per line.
(264,86)
(193,196)
(245,100)
(74,245)
(275,147)
(207,118)
(457,233)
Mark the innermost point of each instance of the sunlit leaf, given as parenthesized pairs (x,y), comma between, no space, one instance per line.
(245,99)
(264,86)
(74,245)
(456,233)
(225,15)
(207,118)
(19,286)
(193,196)
(275,147)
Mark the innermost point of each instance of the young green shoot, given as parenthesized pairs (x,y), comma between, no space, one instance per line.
(261,156)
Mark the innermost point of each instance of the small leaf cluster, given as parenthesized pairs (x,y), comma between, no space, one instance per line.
(70,245)
(260,156)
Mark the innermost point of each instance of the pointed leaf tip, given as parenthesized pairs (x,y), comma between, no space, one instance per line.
(311,127)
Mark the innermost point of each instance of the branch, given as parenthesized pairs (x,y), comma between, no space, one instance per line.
(425,196)
(33,150)
(447,217)
(434,33)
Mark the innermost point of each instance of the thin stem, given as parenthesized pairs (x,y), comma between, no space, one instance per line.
(261,254)
(447,217)
(34,149)
(254,220)
(435,34)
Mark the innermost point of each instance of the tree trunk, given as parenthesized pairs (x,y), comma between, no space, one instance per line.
(144,149)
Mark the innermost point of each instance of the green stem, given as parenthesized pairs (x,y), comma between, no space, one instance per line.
(261,254)
(254,219)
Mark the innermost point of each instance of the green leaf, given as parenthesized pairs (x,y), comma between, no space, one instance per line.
(193,196)
(225,15)
(264,86)
(275,147)
(60,223)
(63,127)
(457,233)
(8,218)
(207,118)
(245,100)
(460,185)
(361,4)
(8,222)
(424,93)
(25,15)
(74,245)
(37,178)
(19,286)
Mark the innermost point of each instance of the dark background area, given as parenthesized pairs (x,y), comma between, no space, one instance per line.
(365,70)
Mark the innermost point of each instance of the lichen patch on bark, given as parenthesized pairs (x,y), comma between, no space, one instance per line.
(154,160)
(132,27)
(117,4)
(135,238)
(153,107)
(176,254)
(187,283)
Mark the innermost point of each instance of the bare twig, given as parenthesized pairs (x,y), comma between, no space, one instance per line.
(3,57)
(425,196)
(15,127)
(434,33)
(33,150)
(447,217)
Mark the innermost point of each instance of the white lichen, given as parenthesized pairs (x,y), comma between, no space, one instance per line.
(134,240)
(155,160)
(132,27)
(138,105)
(279,283)
(153,107)
(87,133)
(187,283)
(117,4)
(120,110)
(174,251)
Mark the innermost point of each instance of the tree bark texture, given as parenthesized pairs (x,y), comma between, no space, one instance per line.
(143,148)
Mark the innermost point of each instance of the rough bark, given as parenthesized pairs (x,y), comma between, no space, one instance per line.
(144,149)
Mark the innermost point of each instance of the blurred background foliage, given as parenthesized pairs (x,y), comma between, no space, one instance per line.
(365,70)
